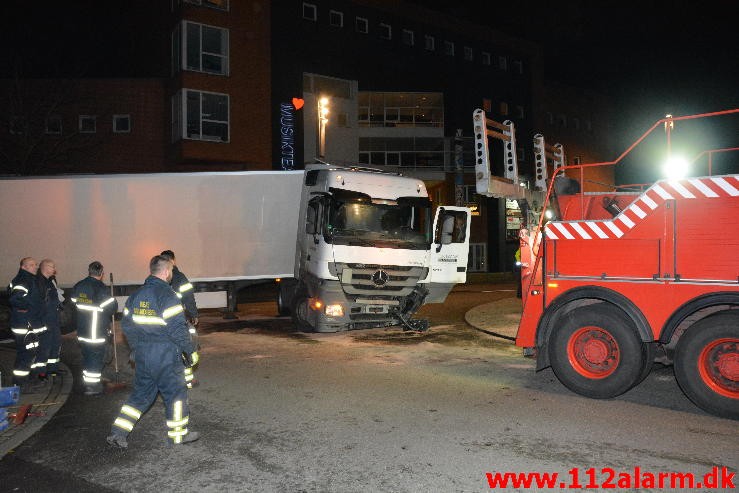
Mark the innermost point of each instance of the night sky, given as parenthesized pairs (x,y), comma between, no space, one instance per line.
(648,58)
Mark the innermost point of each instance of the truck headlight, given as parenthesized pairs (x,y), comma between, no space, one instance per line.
(335,310)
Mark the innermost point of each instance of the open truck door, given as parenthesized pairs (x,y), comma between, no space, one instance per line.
(451,246)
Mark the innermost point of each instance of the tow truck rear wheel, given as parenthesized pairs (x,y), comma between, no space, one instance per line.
(596,352)
(707,364)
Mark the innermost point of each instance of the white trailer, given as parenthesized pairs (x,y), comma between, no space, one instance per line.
(232,229)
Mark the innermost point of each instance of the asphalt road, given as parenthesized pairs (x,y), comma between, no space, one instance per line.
(377,410)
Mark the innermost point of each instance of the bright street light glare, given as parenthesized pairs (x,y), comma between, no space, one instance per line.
(675,168)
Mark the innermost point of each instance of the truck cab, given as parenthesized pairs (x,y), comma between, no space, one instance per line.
(369,252)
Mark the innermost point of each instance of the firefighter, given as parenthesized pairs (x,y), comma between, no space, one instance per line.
(517,272)
(50,340)
(95,307)
(155,327)
(185,291)
(26,323)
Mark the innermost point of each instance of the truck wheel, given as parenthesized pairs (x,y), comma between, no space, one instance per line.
(300,313)
(283,304)
(707,364)
(597,353)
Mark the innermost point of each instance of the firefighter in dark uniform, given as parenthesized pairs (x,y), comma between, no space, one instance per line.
(95,307)
(155,327)
(186,292)
(50,340)
(26,322)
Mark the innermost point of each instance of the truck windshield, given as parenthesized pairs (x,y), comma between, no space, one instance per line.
(362,221)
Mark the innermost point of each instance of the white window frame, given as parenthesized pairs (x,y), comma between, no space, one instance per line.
(226,59)
(429,42)
(92,118)
(116,118)
(449,48)
(469,54)
(520,112)
(183,100)
(206,3)
(518,64)
(386,27)
(340,15)
(502,62)
(310,6)
(363,22)
(46,125)
(408,37)
(485,58)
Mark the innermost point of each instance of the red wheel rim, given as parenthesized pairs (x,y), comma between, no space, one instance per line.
(718,365)
(593,352)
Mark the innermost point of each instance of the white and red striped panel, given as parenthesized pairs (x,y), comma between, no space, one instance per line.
(691,188)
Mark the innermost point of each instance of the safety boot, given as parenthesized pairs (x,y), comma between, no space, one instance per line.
(118,441)
(189,438)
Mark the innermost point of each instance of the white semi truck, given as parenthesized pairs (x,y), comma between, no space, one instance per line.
(354,247)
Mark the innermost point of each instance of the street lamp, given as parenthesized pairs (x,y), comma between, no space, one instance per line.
(322,121)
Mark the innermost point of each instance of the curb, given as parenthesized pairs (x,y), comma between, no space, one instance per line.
(49,401)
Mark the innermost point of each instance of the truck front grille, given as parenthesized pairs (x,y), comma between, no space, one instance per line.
(379,280)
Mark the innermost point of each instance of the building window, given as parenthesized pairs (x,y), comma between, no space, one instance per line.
(562,120)
(214,4)
(520,112)
(429,42)
(468,55)
(87,124)
(176,49)
(206,48)
(485,57)
(502,63)
(503,108)
(121,124)
(336,18)
(408,37)
(487,105)
(207,116)
(448,48)
(386,31)
(550,118)
(361,25)
(469,194)
(576,123)
(53,125)
(310,12)
(521,153)
(578,160)
(378,109)
(518,66)
(588,126)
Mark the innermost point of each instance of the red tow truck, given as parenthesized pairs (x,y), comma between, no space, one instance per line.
(614,276)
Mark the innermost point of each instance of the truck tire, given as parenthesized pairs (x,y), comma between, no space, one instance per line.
(283,302)
(597,353)
(300,313)
(707,364)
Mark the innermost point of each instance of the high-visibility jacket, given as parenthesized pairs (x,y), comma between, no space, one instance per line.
(155,314)
(186,292)
(26,302)
(95,306)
